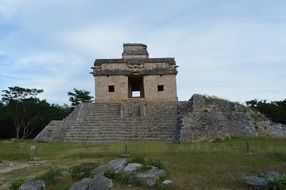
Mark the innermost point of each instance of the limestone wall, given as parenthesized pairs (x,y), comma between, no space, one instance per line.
(150,84)
(120,84)
(169,92)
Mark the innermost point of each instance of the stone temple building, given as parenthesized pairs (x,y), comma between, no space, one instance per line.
(136,100)
(135,77)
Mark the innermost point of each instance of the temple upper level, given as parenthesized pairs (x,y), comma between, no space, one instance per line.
(135,75)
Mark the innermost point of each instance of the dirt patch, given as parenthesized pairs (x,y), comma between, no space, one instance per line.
(7,168)
(10,166)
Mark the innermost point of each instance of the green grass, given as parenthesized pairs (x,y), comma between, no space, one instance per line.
(200,165)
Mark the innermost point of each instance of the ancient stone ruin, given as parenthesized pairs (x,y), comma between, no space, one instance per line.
(136,99)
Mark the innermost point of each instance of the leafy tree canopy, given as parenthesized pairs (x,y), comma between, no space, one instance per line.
(78,96)
(275,110)
(17,93)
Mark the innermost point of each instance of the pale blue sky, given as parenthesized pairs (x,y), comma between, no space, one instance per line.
(227,48)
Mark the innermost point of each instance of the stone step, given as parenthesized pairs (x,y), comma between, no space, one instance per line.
(103,122)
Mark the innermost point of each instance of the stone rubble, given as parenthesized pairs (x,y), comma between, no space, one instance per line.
(132,167)
(95,183)
(262,181)
(167,184)
(117,165)
(97,179)
(99,170)
(33,185)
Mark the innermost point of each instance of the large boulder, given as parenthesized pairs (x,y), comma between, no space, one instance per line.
(256,182)
(99,170)
(132,167)
(117,165)
(81,185)
(33,185)
(96,183)
(158,172)
(145,179)
(273,175)
(101,183)
(150,177)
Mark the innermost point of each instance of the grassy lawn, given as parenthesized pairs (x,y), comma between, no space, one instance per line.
(200,165)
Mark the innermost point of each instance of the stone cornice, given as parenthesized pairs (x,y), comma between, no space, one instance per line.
(135,61)
(135,67)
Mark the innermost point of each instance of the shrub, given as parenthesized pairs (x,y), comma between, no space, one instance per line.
(217,140)
(81,171)
(277,183)
(146,165)
(210,100)
(120,176)
(156,162)
(139,160)
(15,185)
(145,168)
(52,174)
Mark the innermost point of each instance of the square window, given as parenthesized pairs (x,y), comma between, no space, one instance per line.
(136,94)
(160,88)
(110,88)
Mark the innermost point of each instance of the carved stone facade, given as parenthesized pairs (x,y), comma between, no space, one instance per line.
(135,77)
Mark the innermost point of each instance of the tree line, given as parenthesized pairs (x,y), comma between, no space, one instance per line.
(24,115)
(274,110)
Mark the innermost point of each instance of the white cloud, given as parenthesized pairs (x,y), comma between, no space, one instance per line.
(56,74)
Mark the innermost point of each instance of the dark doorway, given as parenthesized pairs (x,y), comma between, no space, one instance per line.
(135,87)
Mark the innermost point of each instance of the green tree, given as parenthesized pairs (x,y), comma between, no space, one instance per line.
(22,107)
(78,96)
(24,115)
(275,110)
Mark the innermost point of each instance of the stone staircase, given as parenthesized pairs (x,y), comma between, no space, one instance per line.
(116,122)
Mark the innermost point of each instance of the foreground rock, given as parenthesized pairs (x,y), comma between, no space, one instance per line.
(150,177)
(81,185)
(167,184)
(99,170)
(263,181)
(145,179)
(33,185)
(132,167)
(97,183)
(119,170)
(272,174)
(256,182)
(117,165)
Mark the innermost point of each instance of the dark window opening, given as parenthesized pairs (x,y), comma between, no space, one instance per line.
(110,88)
(135,87)
(160,88)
